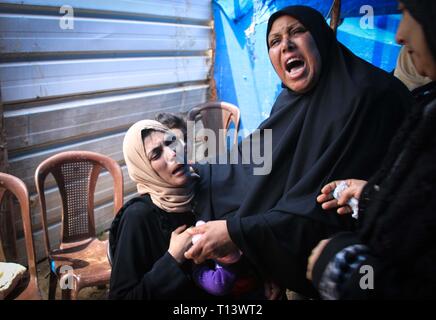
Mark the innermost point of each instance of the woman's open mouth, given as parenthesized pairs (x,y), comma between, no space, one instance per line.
(179,170)
(295,67)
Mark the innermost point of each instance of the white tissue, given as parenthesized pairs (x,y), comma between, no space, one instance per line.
(353,202)
(197,237)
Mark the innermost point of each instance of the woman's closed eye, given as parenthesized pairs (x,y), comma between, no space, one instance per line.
(155,153)
(298,30)
(274,42)
(292,32)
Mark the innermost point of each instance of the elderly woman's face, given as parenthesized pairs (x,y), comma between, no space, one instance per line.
(411,34)
(294,54)
(160,150)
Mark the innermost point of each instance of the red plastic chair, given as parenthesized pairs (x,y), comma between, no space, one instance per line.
(28,288)
(80,261)
(217,116)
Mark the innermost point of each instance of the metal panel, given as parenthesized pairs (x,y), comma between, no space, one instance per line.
(29,33)
(81,89)
(62,121)
(175,9)
(24,81)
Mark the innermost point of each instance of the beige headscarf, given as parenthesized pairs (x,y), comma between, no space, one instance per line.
(164,195)
(406,72)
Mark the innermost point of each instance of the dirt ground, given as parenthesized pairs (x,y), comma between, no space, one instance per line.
(91,293)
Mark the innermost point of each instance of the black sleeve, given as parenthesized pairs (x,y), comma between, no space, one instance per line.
(278,245)
(336,244)
(351,288)
(413,279)
(136,272)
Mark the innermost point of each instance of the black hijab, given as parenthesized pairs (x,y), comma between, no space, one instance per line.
(340,129)
(311,19)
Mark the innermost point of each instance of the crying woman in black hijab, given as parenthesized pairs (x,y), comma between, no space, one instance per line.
(334,118)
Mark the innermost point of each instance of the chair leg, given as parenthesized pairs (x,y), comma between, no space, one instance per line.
(52,286)
(71,291)
(66,294)
(74,293)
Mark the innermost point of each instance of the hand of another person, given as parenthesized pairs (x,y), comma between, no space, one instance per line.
(214,243)
(272,290)
(354,189)
(316,252)
(180,242)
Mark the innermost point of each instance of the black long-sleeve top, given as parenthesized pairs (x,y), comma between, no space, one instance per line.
(142,268)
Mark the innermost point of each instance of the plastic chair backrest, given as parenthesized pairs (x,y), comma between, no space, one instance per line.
(17,188)
(76,174)
(217,116)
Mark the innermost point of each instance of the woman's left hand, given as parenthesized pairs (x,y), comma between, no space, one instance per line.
(180,241)
(316,252)
(214,243)
(327,201)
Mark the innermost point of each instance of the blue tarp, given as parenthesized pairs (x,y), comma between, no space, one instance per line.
(243,73)
(237,9)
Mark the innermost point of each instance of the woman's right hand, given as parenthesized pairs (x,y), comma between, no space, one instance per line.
(354,189)
(181,241)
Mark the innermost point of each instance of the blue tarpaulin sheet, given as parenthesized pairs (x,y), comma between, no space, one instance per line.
(237,9)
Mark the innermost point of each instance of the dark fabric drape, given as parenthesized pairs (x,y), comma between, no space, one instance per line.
(405,184)
(397,218)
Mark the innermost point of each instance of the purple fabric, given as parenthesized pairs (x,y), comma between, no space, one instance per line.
(218,281)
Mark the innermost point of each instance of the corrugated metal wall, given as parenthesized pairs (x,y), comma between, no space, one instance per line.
(81,88)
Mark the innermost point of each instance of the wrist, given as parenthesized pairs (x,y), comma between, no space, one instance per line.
(180,258)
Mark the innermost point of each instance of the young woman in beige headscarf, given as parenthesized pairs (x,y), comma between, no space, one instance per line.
(148,237)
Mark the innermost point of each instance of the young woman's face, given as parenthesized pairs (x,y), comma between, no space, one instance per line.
(294,54)
(411,35)
(161,151)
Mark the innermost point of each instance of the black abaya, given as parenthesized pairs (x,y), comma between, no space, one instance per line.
(339,129)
